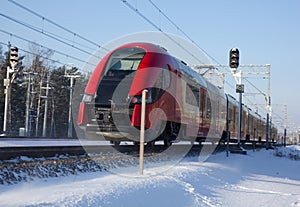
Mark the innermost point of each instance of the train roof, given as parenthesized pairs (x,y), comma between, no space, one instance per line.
(192,74)
(232,100)
(186,70)
(148,47)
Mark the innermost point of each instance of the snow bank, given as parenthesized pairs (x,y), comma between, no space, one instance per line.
(25,169)
(255,179)
(292,152)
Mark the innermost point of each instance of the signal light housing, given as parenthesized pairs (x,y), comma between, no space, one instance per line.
(234,56)
(13,56)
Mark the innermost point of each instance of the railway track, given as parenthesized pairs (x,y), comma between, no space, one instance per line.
(49,149)
(27,163)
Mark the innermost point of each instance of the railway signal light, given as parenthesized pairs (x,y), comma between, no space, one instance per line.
(234,56)
(13,56)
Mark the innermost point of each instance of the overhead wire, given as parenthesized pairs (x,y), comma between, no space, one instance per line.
(56,24)
(57,38)
(186,35)
(51,35)
(179,29)
(47,58)
(158,28)
(189,38)
(263,93)
(32,53)
(42,46)
(174,24)
(46,34)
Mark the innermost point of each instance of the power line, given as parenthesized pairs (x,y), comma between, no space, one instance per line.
(56,24)
(32,53)
(46,34)
(143,16)
(178,28)
(260,91)
(188,37)
(70,41)
(56,51)
(158,28)
(47,58)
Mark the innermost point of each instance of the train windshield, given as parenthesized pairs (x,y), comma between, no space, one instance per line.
(120,64)
(126,59)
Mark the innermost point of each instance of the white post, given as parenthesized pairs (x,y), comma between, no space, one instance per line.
(142,131)
(240,111)
(70,123)
(7,94)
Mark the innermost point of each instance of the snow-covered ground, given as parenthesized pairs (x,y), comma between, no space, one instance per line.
(257,179)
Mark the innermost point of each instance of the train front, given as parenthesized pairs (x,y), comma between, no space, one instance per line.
(110,108)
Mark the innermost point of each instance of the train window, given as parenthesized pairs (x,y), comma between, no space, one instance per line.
(202,101)
(230,115)
(166,77)
(120,64)
(162,83)
(208,107)
(126,59)
(192,95)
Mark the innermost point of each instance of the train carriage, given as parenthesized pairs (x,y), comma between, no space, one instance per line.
(180,104)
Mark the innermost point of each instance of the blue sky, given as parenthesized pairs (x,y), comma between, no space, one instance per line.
(266,32)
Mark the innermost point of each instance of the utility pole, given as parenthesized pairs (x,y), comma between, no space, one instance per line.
(44,132)
(240,91)
(38,111)
(234,55)
(13,60)
(46,107)
(52,131)
(285,125)
(70,122)
(28,115)
(28,108)
(269,108)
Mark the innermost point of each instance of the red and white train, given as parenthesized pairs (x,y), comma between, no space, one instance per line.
(180,105)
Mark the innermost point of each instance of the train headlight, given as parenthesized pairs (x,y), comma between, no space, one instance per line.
(135,100)
(138,99)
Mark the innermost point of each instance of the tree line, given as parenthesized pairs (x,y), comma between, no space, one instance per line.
(56,111)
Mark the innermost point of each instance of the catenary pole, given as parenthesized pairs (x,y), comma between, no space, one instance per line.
(70,122)
(28,112)
(46,108)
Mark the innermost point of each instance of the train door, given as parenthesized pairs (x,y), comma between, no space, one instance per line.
(202,109)
(207,113)
(179,93)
